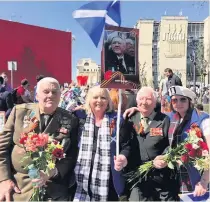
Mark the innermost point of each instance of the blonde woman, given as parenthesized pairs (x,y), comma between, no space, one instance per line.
(97,171)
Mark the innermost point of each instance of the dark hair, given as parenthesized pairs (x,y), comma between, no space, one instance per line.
(39,77)
(168,70)
(1,80)
(179,129)
(199,107)
(24,82)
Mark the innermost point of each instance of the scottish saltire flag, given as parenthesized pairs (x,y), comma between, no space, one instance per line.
(189,197)
(95,15)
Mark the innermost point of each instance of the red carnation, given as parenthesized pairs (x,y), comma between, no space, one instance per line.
(58,153)
(184,158)
(194,125)
(107,75)
(203,145)
(23,140)
(188,146)
(198,152)
(192,153)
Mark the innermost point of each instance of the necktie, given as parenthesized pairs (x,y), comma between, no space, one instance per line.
(121,66)
(145,122)
(46,118)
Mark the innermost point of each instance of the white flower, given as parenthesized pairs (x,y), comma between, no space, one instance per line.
(205,153)
(192,133)
(197,167)
(195,146)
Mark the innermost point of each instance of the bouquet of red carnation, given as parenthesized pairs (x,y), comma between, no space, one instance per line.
(193,150)
(44,152)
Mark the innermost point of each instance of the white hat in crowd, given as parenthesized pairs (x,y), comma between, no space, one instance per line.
(183,91)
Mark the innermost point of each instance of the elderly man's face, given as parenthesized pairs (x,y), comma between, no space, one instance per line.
(48,96)
(146,103)
(118,45)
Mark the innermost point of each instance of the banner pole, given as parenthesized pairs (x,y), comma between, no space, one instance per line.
(118,123)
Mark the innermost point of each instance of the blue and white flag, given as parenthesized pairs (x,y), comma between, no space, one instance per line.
(189,197)
(95,15)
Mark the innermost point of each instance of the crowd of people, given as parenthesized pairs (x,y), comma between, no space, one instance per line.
(84,120)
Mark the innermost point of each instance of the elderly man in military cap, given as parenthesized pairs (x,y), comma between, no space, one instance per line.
(15,183)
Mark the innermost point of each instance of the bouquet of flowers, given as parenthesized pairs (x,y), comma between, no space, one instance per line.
(44,152)
(193,150)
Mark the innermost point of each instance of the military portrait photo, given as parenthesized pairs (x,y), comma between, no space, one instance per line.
(120,52)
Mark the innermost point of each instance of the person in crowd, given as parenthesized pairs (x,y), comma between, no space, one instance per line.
(117,60)
(131,98)
(130,47)
(151,140)
(165,104)
(6,85)
(163,87)
(23,94)
(114,95)
(98,169)
(205,98)
(15,184)
(6,101)
(38,78)
(173,80)
(199,107)
(181,118)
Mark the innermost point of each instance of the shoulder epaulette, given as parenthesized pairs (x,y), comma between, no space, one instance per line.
(25,106)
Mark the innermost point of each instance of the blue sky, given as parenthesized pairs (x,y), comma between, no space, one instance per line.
(58,15)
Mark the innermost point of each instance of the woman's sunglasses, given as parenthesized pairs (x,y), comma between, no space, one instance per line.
(175,100)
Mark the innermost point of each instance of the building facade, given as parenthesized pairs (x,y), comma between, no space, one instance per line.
(175,43)
(35,50)
(87,67)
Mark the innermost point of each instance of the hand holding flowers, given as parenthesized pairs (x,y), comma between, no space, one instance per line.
(44,152)
(191,151)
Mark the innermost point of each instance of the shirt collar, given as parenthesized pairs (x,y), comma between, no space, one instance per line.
(120,57)
(150,117)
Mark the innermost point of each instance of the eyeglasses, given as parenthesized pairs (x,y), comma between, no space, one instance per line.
(182,100)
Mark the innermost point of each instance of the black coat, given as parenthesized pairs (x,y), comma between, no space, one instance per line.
(111,61)
(6,101)
(145,147)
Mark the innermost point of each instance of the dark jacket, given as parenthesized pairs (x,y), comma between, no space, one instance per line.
(11,164)
(6,101)
(173,80)
(111,61)
(159,183)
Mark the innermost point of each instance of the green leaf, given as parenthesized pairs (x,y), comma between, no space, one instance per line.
(170,165)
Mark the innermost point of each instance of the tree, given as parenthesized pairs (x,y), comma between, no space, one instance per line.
(144,81)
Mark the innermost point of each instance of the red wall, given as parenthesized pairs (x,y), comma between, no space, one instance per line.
(37,50)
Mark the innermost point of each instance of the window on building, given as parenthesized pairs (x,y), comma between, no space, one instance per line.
(86,64)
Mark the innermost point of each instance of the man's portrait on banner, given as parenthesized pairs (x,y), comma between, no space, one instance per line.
(120,54)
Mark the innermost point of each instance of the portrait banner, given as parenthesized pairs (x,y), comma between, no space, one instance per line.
(119,58)
(2,121)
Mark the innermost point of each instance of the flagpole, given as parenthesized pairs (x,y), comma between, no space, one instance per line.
(118,123)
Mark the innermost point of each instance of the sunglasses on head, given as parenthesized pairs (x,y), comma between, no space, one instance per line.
(182,100)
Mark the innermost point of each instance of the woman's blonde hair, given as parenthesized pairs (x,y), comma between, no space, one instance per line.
(101,91)
(114,95)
